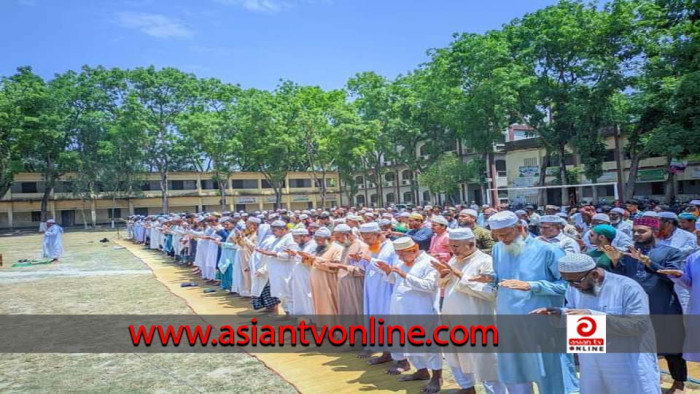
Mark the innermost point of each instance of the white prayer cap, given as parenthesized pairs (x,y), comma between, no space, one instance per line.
(469,212)
(428,207)
(550,219)
(462,233)
(323,232)
(371,227)
(503,219)
(384,222)
(576,262)
(440,220)
(520,212)
(339,221)
(244,214)
(370,209)
(354,218)
(303,216)
(694,202)
(297,211)
(254,220)
(668,215)
(403,243)
(618,211)
(300,231)
(386,215)
(306,212)
(278,223)
(650,214)
(273,215)
(404,215)
(342,228)
(602,217)
(50,221)
(369,214)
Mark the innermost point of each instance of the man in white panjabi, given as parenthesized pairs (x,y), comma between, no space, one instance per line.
(594,291)
(465,297)
(415,293)
(280,264)
(302,303)
(52,245)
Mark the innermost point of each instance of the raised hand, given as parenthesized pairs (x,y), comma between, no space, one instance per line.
(483,278)
(612,252)
(383,266)
(546,311)
(638,255)
(515,284)
(674,273)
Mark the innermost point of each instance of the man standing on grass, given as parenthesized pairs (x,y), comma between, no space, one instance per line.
(53,241)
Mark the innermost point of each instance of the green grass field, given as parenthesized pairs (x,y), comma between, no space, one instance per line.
(95,278)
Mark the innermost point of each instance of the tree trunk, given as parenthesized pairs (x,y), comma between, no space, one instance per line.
(323,189)
(670,189)
(222,195)
(594,193)
(45,203)
(164,191)
(631,177)
(542,193)
(562,175)
(82,213)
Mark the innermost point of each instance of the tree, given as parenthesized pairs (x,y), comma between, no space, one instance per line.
(44,124)
(370,94)
(156,99)
(266,139)
(10,158)
(481,89)
(446,174)
(668,89)
(211,126)
(575,56)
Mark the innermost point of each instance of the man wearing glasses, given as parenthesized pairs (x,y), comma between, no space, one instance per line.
(593,291)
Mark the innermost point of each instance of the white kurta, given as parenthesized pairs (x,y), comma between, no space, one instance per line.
(209,271)
(280,269)
(617,372)
(52,245)
(258,267)
(302,302)
(200,256)
(417,294)
(464,297)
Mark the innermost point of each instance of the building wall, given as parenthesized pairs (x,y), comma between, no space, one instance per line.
(650,181)
(22,209)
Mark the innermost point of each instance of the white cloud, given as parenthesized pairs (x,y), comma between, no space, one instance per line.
(257,5)
(155,25)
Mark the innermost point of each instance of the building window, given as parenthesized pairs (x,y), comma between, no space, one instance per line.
(657,188)
(141,211)
(36,216)
(501,165)
(359,180)
(29,187)
(117,213)
(408,197)
(406,174)
(389,177)
(610,155)
(299,183)
(266,184)
(245,183)
(390,198)
(177,185)
(373,198)
(426,196)
(531,162)
(360,199)
(331,182)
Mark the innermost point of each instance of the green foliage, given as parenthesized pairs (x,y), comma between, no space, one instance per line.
(446,174)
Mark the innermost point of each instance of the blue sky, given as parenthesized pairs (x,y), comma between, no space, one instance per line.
(250,42)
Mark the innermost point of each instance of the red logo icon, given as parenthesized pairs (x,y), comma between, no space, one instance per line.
(586,326)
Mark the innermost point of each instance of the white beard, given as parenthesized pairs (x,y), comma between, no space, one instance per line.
(516,247)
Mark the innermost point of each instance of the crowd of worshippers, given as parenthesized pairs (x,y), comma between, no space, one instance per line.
(459,261)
